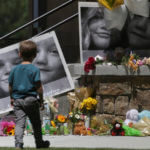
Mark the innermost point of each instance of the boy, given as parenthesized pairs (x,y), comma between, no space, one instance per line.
(24,87)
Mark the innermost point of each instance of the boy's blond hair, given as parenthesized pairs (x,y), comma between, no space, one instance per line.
(28,50)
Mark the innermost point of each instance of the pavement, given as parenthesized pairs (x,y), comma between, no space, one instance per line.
(74,141)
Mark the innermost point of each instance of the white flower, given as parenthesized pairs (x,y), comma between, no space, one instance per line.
(85,117)
(99,58)
(109,63)
(77,116)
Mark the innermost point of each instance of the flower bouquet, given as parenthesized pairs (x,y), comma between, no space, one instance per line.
(7,128)
(88,106)
(89,64)
(60,119)
(58,123)
(76,116)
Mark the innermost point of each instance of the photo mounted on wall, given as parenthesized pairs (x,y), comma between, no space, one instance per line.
(8,59)
(95,37)
(55,76)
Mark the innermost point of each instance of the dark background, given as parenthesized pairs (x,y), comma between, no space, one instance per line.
(67,33)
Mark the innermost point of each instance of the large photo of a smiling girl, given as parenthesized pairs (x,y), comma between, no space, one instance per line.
(95,38)
(54,73)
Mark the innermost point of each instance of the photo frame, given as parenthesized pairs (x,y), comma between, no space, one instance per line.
(59,79)
(85,52)
(63,84)
(133,37)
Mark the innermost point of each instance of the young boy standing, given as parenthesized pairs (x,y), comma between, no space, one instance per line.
(24,87)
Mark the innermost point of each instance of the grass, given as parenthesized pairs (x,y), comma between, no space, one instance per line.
(6,148)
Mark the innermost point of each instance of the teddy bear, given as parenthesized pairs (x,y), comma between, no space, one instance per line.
(132,116)
(80,128)
(117,129)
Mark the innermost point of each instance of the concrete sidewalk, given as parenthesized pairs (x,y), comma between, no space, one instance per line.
(124,142)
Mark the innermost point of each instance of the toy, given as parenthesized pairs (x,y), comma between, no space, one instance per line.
(144,113)
(117,129)
(132,116)
(80,128)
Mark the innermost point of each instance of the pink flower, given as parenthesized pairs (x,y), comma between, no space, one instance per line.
(4,125)
(82,117)
(140,62)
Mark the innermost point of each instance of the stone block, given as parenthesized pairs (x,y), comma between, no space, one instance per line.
(105,117)
(143,97)
(121,105)
(114,89)
(99,108)
(134,104)
(108,105)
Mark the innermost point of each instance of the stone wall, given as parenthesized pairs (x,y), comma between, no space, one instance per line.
(119,92)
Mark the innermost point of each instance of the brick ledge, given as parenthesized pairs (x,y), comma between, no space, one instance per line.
(119,70)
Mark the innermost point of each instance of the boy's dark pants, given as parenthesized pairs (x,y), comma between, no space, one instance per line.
(23,108)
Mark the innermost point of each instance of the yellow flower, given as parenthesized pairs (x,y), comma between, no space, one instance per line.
(89,104)
(53,124)
(81,105)
(88,108)
(94,102)
(11,132)
(61,118)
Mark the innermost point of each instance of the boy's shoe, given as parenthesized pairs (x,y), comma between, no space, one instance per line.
(19,146)
(43,144)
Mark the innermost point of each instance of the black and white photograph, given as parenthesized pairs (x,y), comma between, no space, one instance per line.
(8,59)
(55,76)
(138,33)
(95,38)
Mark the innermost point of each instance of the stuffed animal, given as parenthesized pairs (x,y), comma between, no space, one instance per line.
(144,113)
(117,129)
(132,116)
(80,128)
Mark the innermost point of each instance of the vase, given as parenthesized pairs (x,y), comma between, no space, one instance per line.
(87,121)
(70,127)
(73,126)
(60,129)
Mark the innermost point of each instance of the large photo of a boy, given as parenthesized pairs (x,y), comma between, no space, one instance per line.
(54,73)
